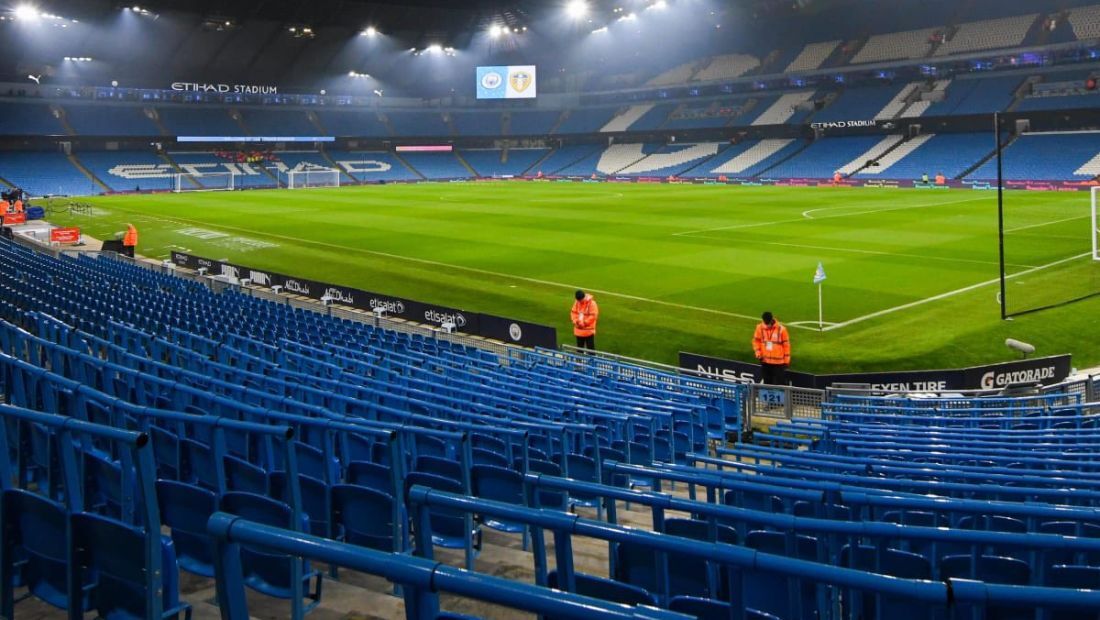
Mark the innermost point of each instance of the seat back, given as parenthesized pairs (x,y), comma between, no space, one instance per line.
(371,475)
(115,553)
(266,572)
(38,526)
(185,509)
(363,516)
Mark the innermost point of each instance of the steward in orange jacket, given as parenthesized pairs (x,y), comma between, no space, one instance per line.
(584,315)
(130,239)
(772,345)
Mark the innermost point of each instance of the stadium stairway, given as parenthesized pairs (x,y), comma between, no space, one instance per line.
(874,154)
(88,173)
(1011,139)
(466,164)
(404,162)
(385,120)
(154,117)
(62,118)
(190,180)
(897,153)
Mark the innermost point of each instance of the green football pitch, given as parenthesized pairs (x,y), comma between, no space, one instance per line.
(912,274)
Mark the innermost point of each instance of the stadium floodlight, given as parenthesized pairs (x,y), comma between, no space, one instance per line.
(495,31)
(434,48)
(576,9)
(659,5)
(600,30)
(27,12)
(370,31)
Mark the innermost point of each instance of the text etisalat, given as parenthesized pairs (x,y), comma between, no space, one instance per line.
(238,89)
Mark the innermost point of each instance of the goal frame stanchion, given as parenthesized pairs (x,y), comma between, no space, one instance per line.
(292,175)
(1095,219)
(181,187)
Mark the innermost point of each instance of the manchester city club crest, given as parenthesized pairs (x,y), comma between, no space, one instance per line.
(521,81)
(491,80)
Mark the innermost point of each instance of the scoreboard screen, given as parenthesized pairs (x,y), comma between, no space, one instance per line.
(514,82)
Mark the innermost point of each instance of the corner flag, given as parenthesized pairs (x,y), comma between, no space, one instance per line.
(819,275)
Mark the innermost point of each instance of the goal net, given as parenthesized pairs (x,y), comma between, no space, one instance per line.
(206,182)
(1051,245)
(301,179)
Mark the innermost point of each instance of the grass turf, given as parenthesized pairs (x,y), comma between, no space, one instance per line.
(674,267)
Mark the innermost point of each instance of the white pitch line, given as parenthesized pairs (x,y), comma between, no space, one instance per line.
(828,217)
(509,276)
(806,214)
(1068,219)
(966,289)
(873,252)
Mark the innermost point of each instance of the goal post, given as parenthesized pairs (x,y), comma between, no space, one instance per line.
(319,177)
(206,182)
(1095,219)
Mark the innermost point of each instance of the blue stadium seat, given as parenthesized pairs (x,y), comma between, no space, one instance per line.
(185,509)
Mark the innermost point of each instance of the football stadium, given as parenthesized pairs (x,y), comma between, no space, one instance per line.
(562,309)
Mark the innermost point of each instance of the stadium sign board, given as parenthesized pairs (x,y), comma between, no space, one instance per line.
(1046,370)
(473,323)
(236,89)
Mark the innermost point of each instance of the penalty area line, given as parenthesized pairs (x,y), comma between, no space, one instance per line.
(941,296)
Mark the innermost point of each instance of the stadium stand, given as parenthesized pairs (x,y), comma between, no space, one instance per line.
(563,158)
(423,124)
(747,159)
(872,154)
(533,122)
(585,120)
(812,56)
(707,115)
(351,124)
(468,123)
(983,95)
(373,166)
(896,46)
(860,103)
(654,118)
(437,165)
(490,162)
(269,122)
(824,157)
(198,120)
(619,156)
(727,67)
(46,174)
(109,120)
(627,117)
(926,98)
(988,34)
(886,162)
(679,74)
(898,103)
(125,171)
(1048,157)
(202,165)
(1085,22)
(785,109)
(672,160)
(29,119)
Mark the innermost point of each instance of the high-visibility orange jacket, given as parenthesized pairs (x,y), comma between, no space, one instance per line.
(941,180)
(772,345)
(130,239)
(585,314)
(18,206)
(837,178)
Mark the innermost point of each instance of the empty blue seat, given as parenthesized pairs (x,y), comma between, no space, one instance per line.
(315,500)
(894,563)
(363,517)
(38,527)
(500,485)
(991,569)
(265,572)
(372,476)
(1077,578)
(448,527)
(687,575)
(779,596)
(114,554)
(185,509)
